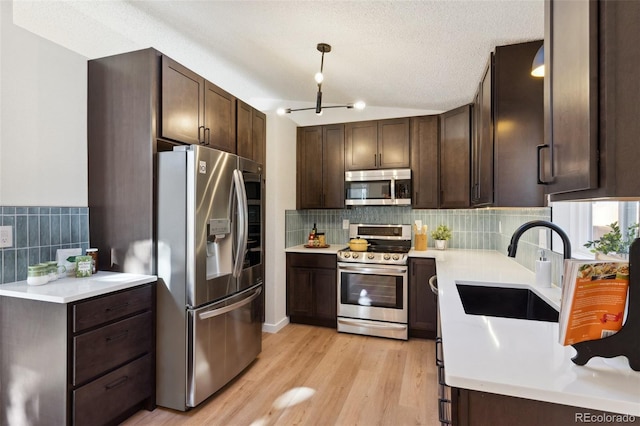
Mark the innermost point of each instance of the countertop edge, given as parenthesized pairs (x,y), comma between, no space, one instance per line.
(68,290)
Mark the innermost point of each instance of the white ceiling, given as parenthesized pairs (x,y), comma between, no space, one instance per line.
(401,57)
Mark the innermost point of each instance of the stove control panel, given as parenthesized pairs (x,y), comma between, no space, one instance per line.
(369,257)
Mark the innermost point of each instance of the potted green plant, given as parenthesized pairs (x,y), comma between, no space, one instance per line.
(441,235)
(613,243)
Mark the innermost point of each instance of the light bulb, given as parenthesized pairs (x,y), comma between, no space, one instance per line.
(280,111)
(359,105)
(319,77)
(538,72)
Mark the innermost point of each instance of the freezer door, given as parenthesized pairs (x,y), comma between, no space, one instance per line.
(224,338)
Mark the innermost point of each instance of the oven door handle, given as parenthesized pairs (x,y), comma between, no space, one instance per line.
(387,270)
(372,325)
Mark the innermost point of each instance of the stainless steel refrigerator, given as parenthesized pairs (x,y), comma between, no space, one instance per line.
(210,269)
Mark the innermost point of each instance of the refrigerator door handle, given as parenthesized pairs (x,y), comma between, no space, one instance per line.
(243,225)
(221,311)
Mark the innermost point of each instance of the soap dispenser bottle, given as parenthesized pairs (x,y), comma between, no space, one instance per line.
(543,270)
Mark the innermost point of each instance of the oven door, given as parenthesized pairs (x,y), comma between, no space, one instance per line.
(372,292)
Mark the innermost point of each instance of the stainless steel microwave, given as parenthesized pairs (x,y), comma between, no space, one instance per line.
(378,187)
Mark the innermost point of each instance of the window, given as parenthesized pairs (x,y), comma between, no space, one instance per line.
(589,221)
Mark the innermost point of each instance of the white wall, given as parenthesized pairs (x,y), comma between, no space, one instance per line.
(43,119)
(281,196)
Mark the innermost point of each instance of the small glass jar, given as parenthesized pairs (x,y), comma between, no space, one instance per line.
(93,252)
(37,274)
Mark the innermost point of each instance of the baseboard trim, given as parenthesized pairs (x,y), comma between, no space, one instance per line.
(274,328)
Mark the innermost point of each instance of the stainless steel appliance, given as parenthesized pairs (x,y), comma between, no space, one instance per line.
(378,187)
(210,265)
(372,285)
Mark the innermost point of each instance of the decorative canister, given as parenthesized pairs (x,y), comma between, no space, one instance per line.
(83,266)
(37,274)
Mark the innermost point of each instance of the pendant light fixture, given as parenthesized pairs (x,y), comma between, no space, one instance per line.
(319,78)
(537,66)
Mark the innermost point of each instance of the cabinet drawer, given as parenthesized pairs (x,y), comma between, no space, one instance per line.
(100,350)
(102,400)
(328,261)
(97,311)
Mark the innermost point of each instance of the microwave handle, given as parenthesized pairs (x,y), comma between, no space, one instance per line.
(393,188)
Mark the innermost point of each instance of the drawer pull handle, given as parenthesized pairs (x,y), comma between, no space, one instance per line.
(119,382)
(117,307)
(117,336)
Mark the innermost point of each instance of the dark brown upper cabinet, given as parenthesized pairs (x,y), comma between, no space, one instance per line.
(382,144)
(251,132)
(591,99)
(455,157)
(518,126)
(194,110)
(182,103)
(424,161)
(219,118)
(320,167)
(482,141)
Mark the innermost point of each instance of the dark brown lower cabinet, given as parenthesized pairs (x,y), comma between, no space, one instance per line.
(312,289)
(90,362)
(471,408)
(422,301)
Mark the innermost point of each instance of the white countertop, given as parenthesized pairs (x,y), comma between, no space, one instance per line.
(516,357)
(66,290)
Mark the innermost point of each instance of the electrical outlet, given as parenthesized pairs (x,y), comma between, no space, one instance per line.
(6,236)
(345,223)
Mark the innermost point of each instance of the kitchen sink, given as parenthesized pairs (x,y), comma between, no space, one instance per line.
(505,302)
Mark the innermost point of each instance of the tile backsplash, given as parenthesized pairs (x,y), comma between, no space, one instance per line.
(487,229)
(37,233)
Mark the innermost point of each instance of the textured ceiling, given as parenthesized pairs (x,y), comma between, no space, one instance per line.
(400,57)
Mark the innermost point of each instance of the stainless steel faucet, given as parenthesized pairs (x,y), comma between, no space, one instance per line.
(513,245)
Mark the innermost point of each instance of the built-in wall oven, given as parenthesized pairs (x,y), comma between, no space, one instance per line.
(372,285)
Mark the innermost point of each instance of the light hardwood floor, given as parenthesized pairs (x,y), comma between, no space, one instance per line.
(316,376)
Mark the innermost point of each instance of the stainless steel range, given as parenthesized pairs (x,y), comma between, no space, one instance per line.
(372,285)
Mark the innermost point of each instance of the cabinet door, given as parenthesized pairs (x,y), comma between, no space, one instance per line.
(361,145)
(393,144)
(333,167)
(424,161)
(182,113)
(422,301)
(325,294)
(518,101)
(309,168)
(571,86)
(455,146)
(259,137)
(300,291)
(244,136)
(219,118)
(482,192)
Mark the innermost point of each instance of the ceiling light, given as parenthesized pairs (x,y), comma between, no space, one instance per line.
(359,105)
(319,77)
(537,66)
